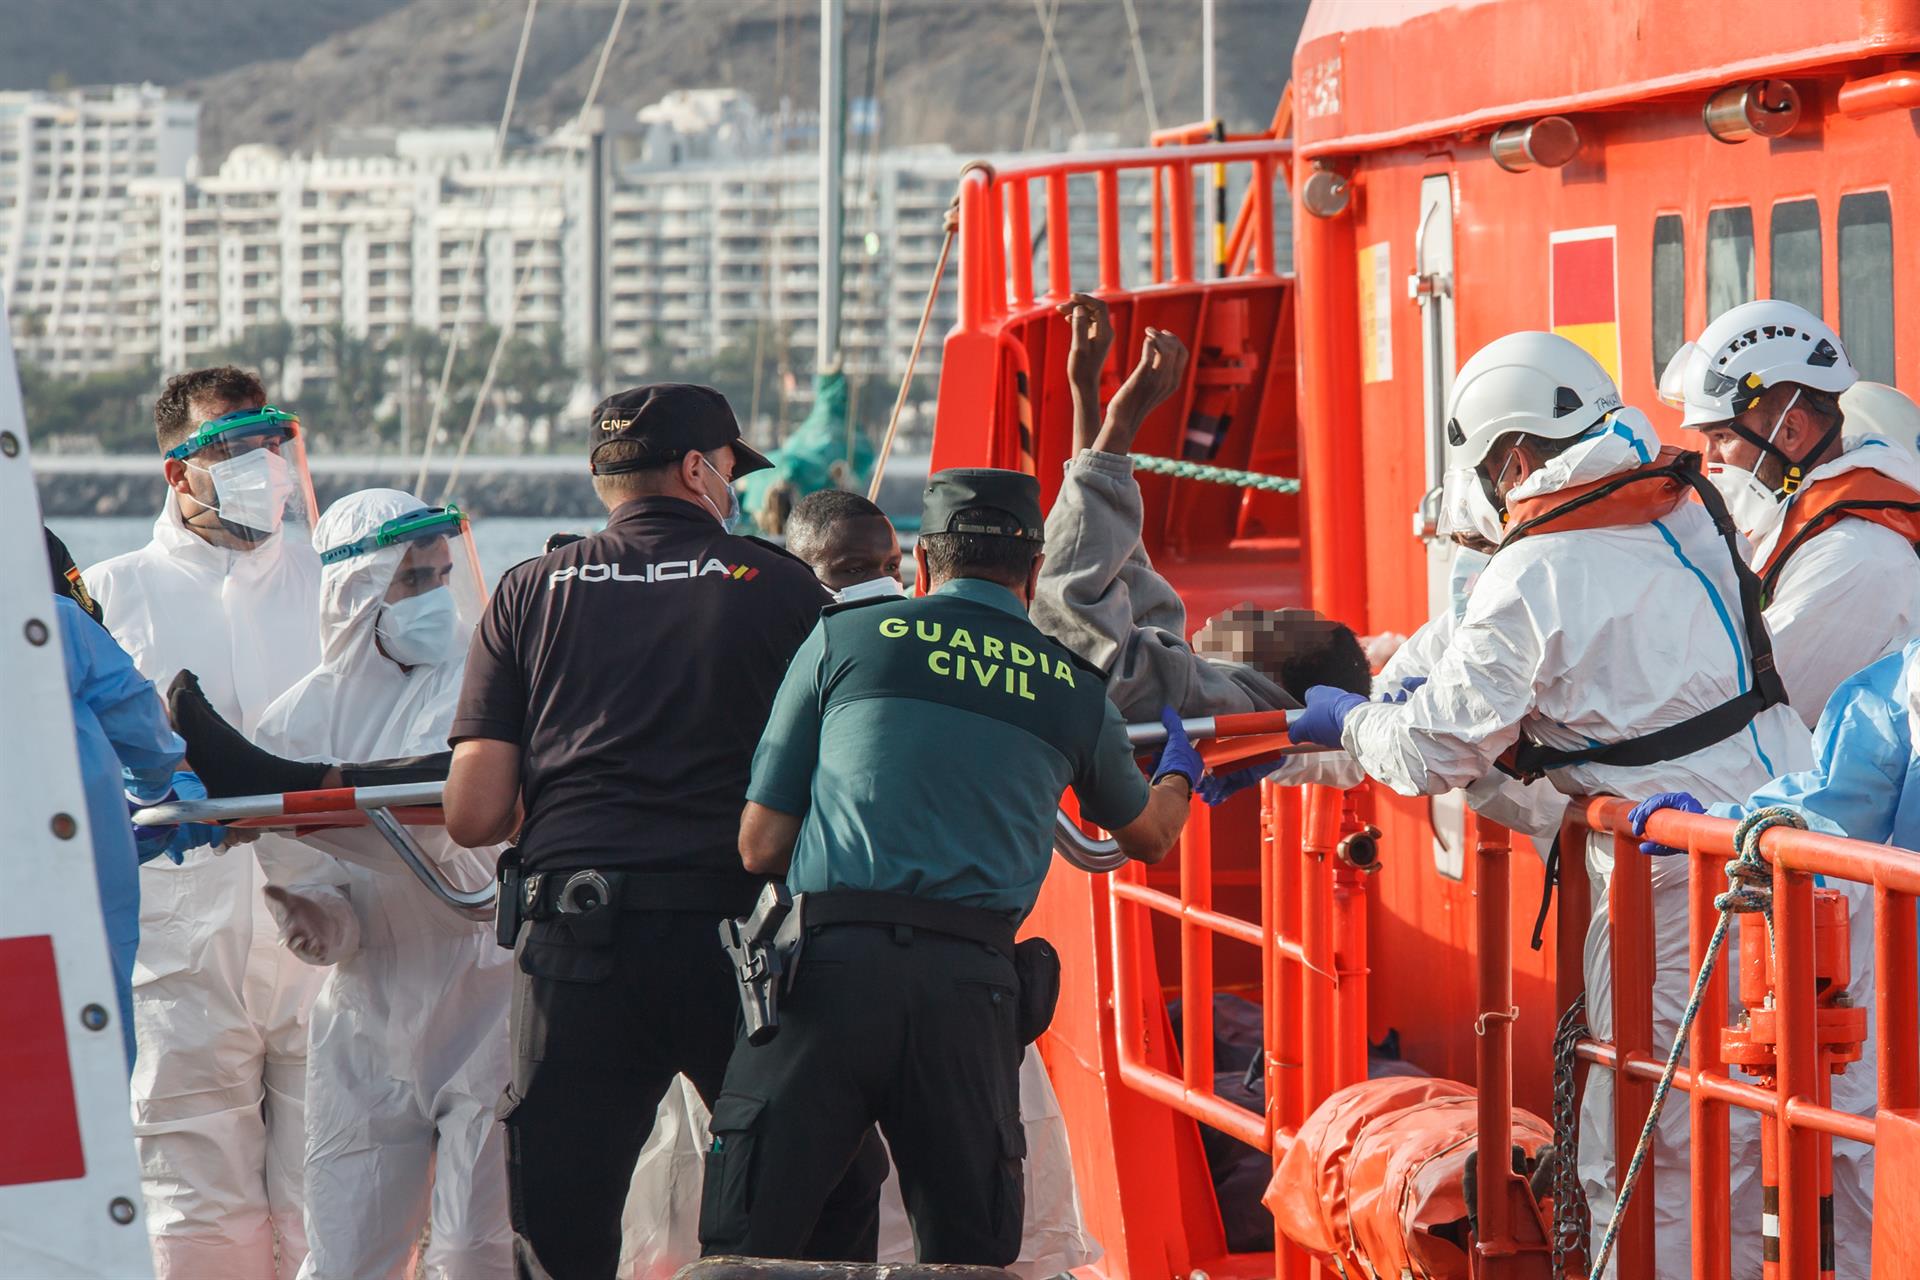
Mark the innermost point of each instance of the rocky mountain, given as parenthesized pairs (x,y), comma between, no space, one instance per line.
(960,71)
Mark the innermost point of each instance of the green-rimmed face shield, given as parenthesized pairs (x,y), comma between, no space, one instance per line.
(248,472)
(437,576)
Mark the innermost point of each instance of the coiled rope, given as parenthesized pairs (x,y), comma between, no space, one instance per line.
(1181,469)
(1749,891)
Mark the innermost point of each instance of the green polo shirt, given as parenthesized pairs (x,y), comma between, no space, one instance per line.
(926,742)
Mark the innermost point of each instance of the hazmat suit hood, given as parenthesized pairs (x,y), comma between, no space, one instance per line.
(1621,441)
(360,704)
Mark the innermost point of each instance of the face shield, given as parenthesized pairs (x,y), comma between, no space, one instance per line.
(1467,513)
(436,594)
(249,469)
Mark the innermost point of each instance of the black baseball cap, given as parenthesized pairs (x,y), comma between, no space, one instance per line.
(668,420)
(1013,498)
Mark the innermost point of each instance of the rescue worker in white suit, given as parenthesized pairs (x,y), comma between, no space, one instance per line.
(409,1034)
(1611,626)
(1831,508)
(228,587)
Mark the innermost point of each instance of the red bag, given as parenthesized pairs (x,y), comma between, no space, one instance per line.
(1376,1177)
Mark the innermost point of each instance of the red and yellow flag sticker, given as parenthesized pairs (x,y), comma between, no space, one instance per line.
(1584,298)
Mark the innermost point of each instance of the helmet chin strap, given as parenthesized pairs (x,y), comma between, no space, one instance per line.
(1793,470)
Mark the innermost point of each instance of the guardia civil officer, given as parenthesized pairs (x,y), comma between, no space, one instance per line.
(906,784)
(613,696)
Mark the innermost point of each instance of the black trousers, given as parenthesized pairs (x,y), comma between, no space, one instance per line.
(599,1032)
(909,1028)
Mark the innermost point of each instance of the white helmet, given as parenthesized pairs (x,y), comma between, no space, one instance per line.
(1874,408)
(1536,384)
(1752,347)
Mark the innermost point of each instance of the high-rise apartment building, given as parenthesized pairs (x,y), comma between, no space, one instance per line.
(67,161)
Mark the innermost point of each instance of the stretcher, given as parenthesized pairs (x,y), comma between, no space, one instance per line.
(1241,740)
(389,810)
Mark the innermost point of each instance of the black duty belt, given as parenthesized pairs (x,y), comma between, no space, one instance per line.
(865,906)
(547,894)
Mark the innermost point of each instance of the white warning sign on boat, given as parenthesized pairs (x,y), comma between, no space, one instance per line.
(1376,320)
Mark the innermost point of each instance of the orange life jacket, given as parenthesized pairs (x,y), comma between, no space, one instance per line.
(1860,494)
(1632,498)
(1639,497)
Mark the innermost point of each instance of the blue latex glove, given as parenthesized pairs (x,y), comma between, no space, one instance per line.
(1216,787)
(1178,756)
(1325,716)
(1680,800)
(174,842)
(1403,692)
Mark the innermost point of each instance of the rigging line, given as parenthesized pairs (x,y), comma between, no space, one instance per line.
(1140,65)
(768,279)
(526,270)
(1039,80)
(473,250)
(600,68)
(1051,47)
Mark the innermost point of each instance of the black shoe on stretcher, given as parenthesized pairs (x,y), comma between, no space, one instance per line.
(230,765)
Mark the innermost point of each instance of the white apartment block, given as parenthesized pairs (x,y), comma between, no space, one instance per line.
(700,253)
(67,160)
(433,234)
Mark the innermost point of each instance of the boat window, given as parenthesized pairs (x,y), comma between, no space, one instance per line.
(1729,260)
(1669,289)
(1795,250)
(1866,282)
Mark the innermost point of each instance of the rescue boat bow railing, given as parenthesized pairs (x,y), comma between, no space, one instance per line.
(1791,1040)
(389,810)
(996,223)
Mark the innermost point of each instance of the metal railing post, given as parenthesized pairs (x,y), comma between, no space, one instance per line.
(1707,1116)
(1798,1061)
(1630,913)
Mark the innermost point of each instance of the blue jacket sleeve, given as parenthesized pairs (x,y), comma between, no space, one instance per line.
(104,678)
(1861,749)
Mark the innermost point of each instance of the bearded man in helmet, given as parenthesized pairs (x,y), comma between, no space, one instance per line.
(1613,643)
(1830,506)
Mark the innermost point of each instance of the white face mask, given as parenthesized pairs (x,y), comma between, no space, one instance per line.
(417,631)
(251,490)
(732,513)
(870,589)
(1753,506)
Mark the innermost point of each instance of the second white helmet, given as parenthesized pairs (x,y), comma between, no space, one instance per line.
(1533,383)
(1754,346)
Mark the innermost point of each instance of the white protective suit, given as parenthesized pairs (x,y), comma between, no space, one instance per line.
(1598,636)
(409,1034)
(659,1228)
(220,1007)
(1851,594)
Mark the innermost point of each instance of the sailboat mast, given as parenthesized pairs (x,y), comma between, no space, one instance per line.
(832,149)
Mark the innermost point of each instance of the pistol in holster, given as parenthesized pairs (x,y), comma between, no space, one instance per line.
(765,950)
(509,907)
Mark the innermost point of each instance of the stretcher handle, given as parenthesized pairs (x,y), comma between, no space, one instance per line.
(376,802)
(1201,728)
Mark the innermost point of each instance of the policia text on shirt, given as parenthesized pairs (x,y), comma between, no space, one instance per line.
(906,784)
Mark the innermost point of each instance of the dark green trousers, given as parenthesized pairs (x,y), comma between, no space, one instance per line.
(908,1028)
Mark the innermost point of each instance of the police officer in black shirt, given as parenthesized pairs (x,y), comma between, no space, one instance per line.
(614,694)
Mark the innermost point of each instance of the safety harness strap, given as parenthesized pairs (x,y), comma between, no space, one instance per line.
(1860,494)
(1530,760)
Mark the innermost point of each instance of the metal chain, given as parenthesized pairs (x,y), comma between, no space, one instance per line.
(1749,890)
(1184,470)
(1570,1224)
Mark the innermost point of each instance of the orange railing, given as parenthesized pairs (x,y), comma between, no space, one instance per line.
(996,211)
(1793,1102)
(1311,936)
